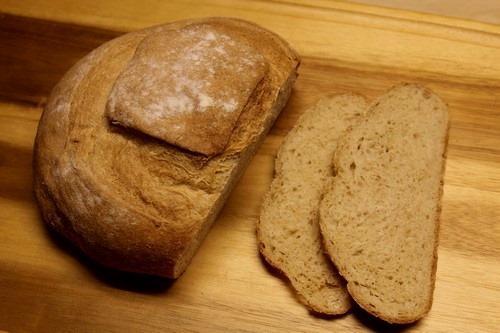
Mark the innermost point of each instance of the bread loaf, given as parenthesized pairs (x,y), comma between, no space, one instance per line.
(380,215)
(288,231)
(142,141)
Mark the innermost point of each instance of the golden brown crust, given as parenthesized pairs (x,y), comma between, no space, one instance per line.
(131,201)
(187,87)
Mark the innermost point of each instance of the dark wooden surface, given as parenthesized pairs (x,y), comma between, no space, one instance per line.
(35,53)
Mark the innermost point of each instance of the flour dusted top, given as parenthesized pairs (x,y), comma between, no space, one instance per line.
(187,87)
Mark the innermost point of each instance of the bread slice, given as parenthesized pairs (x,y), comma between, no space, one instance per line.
(288,230)
(125,164)
(380,216)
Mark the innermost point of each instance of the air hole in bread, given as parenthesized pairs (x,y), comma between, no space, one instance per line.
(357,253)
(360,142)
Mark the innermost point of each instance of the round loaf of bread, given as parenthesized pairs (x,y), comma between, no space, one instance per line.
(142,141)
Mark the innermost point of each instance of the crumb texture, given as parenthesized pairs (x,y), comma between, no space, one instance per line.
(380,217)
(288,229)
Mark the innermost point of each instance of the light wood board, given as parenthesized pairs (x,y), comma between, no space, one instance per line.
(46,285)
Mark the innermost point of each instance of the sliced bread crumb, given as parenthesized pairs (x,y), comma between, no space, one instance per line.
(380,218)
(288,231)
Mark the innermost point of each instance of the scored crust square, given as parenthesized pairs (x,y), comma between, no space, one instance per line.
(187,87)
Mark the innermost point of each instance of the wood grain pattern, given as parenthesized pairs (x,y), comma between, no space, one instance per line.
(35,54)
(480,10)
(46,285)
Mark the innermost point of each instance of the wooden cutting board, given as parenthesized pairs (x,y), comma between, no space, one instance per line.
(46,285)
